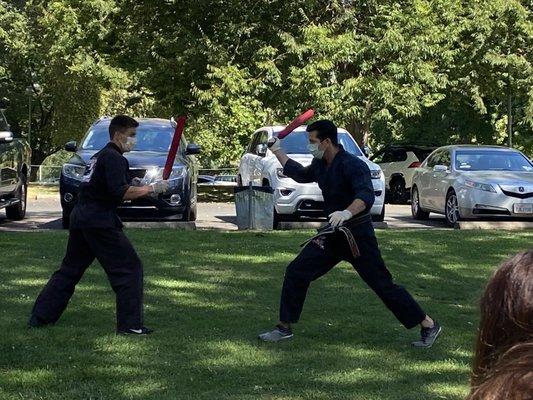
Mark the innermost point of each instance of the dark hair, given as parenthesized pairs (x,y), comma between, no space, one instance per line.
(120,123)
(511,377)
(325,130)
(506,313)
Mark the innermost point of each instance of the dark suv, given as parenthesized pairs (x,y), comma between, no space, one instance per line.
(146,162)
(14,168)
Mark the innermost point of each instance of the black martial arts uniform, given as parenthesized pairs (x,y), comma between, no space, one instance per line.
(96,232)
(346,179)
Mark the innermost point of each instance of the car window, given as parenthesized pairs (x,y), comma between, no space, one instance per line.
(150,137)
(254,143)
(444,158)
(297,142)
(491,160)
(434,158)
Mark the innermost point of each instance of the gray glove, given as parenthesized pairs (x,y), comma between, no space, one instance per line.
(159,187)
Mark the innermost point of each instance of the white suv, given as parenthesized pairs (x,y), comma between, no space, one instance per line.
(399,163)
(294,200)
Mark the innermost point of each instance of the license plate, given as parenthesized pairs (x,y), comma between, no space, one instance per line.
(523,208)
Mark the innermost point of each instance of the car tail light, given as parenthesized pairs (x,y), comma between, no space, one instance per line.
(415,164)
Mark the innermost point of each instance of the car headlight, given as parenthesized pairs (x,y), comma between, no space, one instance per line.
(279,173)
(74,171)
(481,186)
(156,174)
(375,173)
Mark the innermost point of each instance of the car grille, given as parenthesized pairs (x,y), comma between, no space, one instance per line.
(311,205)
(137,172)
(518,195)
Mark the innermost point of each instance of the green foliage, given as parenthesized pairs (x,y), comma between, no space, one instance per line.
(441,71)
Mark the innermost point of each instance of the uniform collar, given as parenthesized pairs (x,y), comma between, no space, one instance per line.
(112,145)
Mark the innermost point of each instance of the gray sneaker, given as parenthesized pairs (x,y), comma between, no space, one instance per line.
(276,335)
(428,336)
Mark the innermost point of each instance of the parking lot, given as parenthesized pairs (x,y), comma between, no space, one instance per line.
(44,212)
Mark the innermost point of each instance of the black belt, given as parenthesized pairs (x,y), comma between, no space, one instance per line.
(344,228)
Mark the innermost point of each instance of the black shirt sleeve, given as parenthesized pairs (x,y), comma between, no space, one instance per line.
(116,176)
(360,182)
(300,173)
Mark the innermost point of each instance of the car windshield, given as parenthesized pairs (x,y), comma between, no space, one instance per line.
(491,160)
(150,137)
(296,143)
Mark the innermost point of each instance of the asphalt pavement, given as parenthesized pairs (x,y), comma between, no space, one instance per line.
(44,213)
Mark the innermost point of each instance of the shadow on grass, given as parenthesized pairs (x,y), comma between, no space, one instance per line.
(209,294)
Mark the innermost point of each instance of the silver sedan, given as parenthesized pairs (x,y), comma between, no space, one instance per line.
(465,182)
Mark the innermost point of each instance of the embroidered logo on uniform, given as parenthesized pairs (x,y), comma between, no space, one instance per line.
(89,170)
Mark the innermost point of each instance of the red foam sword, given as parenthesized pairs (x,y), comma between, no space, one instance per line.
(298,121)
(180,125)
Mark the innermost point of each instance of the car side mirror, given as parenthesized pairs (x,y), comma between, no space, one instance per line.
(71,146)
(261,149)
(193,148)
(440,168)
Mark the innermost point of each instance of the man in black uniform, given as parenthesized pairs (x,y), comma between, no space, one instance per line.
(348,196)
(96,232)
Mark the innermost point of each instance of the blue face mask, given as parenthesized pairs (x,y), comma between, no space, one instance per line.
(314,149)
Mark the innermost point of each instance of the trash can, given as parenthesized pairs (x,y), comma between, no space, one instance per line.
(255,207)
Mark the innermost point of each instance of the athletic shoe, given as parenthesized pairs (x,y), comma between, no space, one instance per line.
(428,336)
(36,322)
(278,334)
(141,331)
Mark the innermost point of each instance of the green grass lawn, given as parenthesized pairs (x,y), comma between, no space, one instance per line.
(208,294)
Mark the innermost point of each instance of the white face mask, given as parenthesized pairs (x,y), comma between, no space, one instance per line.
(130,144)
(314,149)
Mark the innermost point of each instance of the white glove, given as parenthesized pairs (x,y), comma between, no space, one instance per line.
(136,182)
(274,144)
(339,217)
(159,187)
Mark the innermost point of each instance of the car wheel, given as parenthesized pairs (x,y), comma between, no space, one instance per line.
(417,211)
(18,211)
(398,193)
(451,209)
(380,217)
(278,218)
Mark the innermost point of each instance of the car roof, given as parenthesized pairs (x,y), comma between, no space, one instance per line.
(302,128)
(477,147)
(144,121)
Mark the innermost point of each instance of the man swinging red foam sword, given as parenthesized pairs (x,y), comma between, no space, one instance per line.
(348,197)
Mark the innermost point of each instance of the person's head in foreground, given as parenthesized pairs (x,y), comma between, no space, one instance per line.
(505,339)
(510,378)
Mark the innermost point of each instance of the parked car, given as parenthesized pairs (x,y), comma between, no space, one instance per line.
(205,179)
(398,163)
(294,200)
(473,182)
(225,180)
(15,154)
(146,161)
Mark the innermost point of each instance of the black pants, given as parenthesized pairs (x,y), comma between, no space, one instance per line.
(121,263)
(315,261)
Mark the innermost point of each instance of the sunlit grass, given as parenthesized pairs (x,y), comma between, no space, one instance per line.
(208,294)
